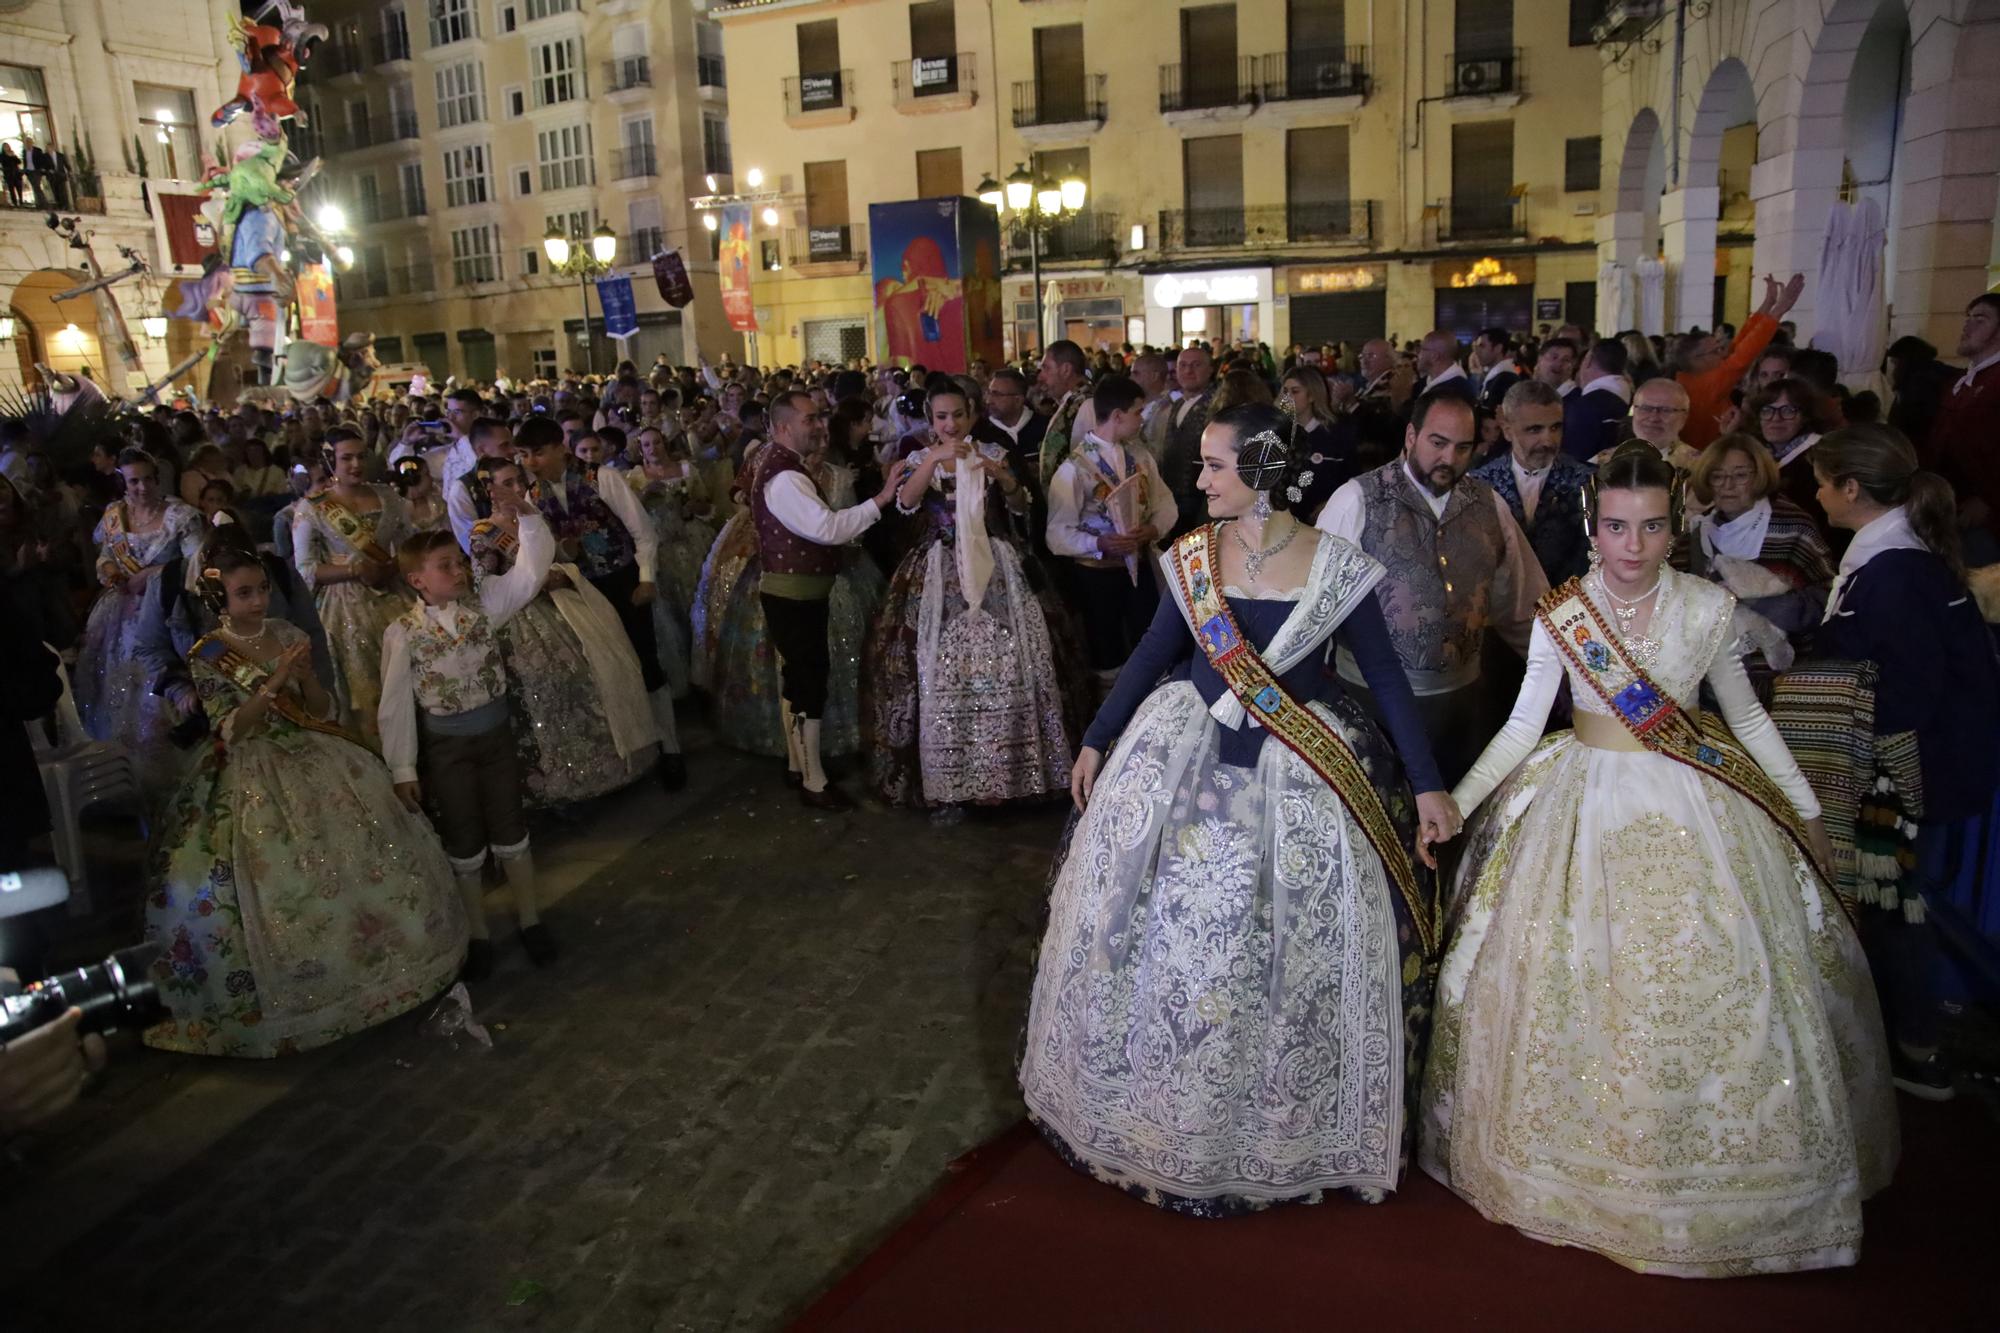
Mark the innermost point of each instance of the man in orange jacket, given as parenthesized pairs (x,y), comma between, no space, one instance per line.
(1708,376)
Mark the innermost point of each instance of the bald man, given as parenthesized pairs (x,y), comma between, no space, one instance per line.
(1659,413)
(1437,362)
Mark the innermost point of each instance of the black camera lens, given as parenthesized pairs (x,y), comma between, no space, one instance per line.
(116,993)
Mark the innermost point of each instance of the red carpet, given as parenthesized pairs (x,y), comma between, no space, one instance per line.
(1014,1239)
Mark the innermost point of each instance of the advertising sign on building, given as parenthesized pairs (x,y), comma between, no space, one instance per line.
(826,242)
(733,268)
(819,92)
(934,74)
(936,269)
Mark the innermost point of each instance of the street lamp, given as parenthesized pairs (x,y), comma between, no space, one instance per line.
(567,256)
(1035,206)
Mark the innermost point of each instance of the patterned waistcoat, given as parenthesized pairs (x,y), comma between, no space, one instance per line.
(782,550)
(586,525)
(454,673)
(1561,546)
(1440,569)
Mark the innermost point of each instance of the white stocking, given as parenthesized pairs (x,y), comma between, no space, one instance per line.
(520,865)
(794,761)
(809,743)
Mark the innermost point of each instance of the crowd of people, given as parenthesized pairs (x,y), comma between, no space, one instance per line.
(1539,759)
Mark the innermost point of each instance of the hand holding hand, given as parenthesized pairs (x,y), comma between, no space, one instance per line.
(643,594)
(411,794)
(557,579)
(1821,845)
(1083,775)
(1438,822)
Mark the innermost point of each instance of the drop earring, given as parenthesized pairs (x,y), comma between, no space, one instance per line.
(1596,560)
(1261,507)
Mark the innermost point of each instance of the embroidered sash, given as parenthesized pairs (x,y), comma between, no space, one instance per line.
(118,541)
(1703,741)
(249,676)
(357,532)
(1303,732)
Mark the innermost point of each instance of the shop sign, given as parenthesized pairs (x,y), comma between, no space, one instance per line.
(1548,307)
(1243,286)
(819,92)
(1354,278)
(1485,271)
(933,73)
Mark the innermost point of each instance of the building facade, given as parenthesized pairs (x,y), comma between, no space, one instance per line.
(1268,170)
(124,94)
(1890,101)
(457,132)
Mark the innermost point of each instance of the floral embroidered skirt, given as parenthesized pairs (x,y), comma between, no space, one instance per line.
(1230,997)
(114,697)
(1656,1035)
(299,901)
(355,616)
(560,728)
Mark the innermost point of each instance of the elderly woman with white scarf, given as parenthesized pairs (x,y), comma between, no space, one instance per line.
(963,702)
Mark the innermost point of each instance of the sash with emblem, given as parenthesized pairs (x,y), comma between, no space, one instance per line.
(1701,741)
(118,541)
(356,531)
(1305,733)
(249,676)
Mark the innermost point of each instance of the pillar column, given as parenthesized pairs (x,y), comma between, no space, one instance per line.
(1687,235)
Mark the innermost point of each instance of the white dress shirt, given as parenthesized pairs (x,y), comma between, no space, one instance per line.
(1529,484)
(1069,495)
(458,503)
(501,598)
(623,502)
(795,502)
(1013,431)
(1972,372)
(1617,384)
(1454,371)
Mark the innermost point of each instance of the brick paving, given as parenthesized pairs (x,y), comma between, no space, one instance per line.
(765,1039)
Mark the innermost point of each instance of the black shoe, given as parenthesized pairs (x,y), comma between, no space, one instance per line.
(541,945)
(1927,1078)
(478,961)
(672,771)
(831,799)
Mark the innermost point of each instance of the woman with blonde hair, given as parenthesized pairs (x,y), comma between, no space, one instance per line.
(1747,522)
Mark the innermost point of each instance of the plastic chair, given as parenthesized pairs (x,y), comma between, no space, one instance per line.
(77,773)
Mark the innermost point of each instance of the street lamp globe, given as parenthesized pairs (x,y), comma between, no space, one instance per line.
(604,243)
(1073,193)
(1048,199)
(345,254)
(1020,190)
(770,216)
(556,246)
(754,177)
(708,220)
(991,194)
(331,218)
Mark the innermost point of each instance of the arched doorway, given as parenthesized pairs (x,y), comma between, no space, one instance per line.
(1642,177)
(1721,151)
(59,335)
(1631,244)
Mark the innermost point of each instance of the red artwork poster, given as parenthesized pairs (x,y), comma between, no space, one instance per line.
(318,322)
(737,303)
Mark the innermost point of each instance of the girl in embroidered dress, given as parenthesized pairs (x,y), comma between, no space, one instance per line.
(135,537)
(676,500)
(1656,1036)
(963,702)
(1231,996)
(298,901)
(581,720)
(344,544)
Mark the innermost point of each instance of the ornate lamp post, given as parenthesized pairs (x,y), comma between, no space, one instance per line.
(570,255)
(1034,207)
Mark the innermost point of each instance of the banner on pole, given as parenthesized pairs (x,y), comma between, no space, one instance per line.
(735,268)
(621,309)
(670,275)
(318,320)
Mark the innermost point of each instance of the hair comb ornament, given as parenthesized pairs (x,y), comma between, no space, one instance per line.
(1262,461)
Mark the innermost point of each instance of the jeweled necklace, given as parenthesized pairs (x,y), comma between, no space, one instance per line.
(1254,560)
(1626,612)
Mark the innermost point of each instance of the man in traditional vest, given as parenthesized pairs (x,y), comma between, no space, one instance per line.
(1543,487)
(1458,566)
(1062,375)
(800,542)
(610,539)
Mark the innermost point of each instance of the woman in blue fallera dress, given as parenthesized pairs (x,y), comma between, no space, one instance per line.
(1231,994)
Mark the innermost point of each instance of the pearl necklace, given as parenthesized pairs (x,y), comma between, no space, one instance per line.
(1254,560)
(1625,610)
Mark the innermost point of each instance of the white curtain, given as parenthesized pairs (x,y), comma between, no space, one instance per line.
(1653,297)
(1852,316)
(1614,299)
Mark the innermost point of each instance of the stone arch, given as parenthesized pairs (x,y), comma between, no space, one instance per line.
(1727,103)
(1642,177)
(42,325)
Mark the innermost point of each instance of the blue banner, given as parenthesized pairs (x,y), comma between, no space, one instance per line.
(621,310)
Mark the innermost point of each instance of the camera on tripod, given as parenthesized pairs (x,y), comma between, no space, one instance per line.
(116,993)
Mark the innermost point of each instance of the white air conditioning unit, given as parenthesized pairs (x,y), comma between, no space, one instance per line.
(1479,76)
(1331,76)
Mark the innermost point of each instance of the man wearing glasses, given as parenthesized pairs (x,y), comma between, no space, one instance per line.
(1659,412)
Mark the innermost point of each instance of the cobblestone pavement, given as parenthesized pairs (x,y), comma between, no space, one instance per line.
(766,1037)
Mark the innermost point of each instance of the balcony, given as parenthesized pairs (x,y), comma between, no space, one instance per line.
(387,48)
(1351,223)
(338,58)
(447,29)
(639,247)
(1090,237)
(1208,86)
(413,279)
(834,248)
(716,160)
(1493,77)
(373,132)
(627,73)
(1067,105)
(708,72)
(935,83)
(826,98)
(391,208)
(1312,74)
(634,162)
(1482,218)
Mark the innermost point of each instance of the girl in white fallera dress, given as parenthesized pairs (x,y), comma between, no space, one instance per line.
(1656,1036)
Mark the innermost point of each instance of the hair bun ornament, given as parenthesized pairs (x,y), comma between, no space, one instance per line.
(221,519)
(1262,461)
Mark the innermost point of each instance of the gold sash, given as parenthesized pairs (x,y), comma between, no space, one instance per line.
(249,676)
(1702,741)
(1302,731)
(353,529)
(118,541)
